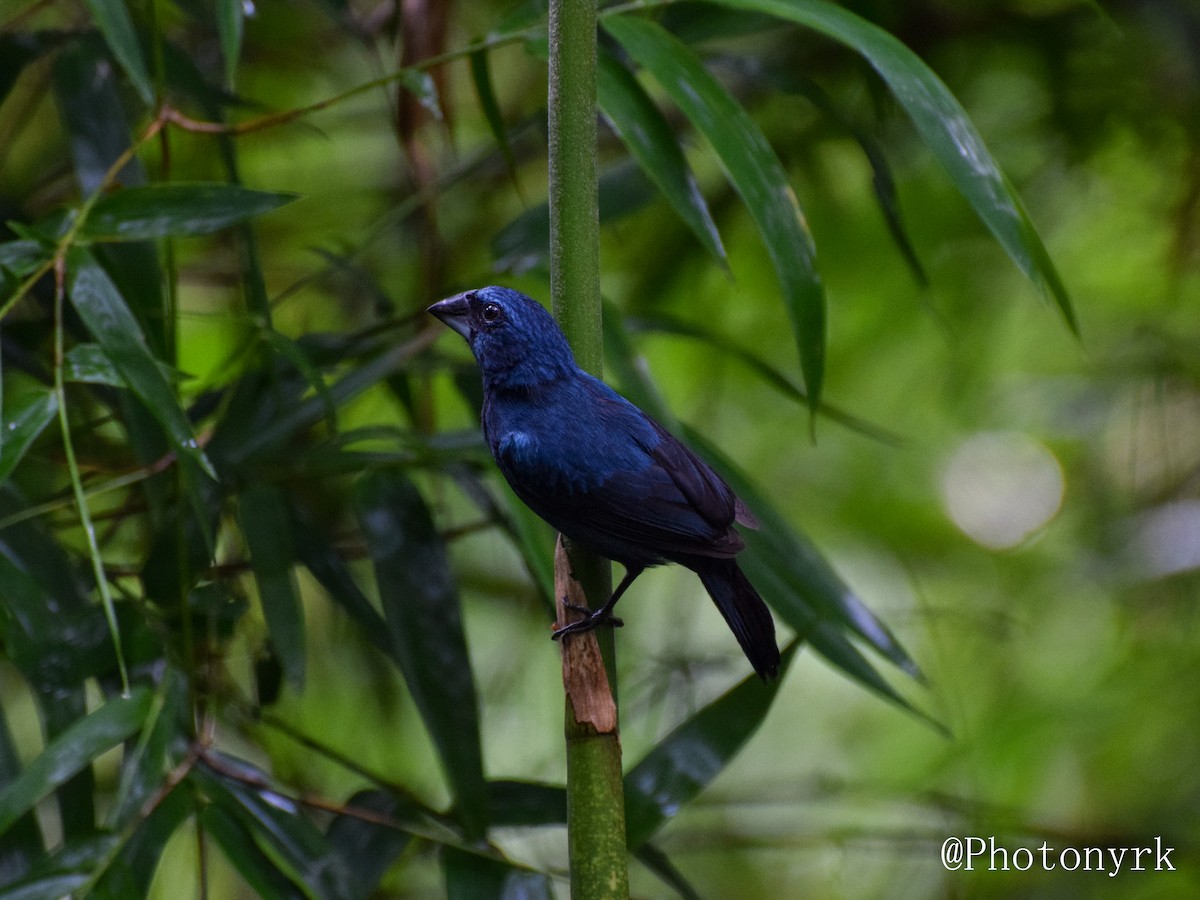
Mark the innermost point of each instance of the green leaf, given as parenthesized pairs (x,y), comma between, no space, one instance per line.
(23,256)
(421,606)
(293,844)
(87,363)
(682,764)
(41,887)
(85,87)
(752,169)
(176,210)
(368,849)
(146,766)
(23,844)
(482,78)
(266,525)
(796,558)
(112,18)
(944,126)
(21,424)
(524,243)
(470,876)
(132,871)
(642,128)
(229,27)
(525,804)
(106,316)
(660,864)
(237,842)
(667,324)
(71,751)
(315,550)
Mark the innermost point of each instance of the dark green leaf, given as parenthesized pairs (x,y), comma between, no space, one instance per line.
(23,256)
(23,842)
(229,27)
(882,180)
(71,751)
(112,18)
(131,872)
(263,512)
(944,126)
(797,560)
(482,77)
(165,734)
(768,373)
(649,138)
(685,761)
(85,87)
(316,551)
(367,849)
(88,364)
(18,50)
(524,243)
(753,170)
(43,887)
(176,210)
(292,843)
(658,863)
(526,804)
(106,316)
(21,424)
(421,606)
(292,352)
(470,876)
(238,844)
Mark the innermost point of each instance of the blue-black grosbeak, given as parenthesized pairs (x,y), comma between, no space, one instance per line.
(599,469)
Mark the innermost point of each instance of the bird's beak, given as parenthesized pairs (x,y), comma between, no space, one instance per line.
(455,311)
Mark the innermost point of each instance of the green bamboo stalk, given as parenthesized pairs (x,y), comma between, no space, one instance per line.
(595,799)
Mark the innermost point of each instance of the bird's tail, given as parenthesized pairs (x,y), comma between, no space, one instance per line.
(744,611)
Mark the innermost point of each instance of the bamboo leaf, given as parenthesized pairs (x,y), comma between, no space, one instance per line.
(266,526)
(86,90)
(230,15)
(176,210)
(470,876)
(72,750)
(642,128)
(132,871)
(482,77)
(368,849)
(667,324)
(524,243)
(421,606)
(752,169)
(112,18)
(106,316)
(238,844)
(682,764)
(293,845)
(944,126)
(23,421)
(798,563)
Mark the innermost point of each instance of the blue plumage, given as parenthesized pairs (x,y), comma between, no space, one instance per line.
(600,470)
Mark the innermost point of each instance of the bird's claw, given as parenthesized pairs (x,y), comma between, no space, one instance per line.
(592,620)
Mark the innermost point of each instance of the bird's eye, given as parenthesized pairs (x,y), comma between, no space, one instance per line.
(492,313)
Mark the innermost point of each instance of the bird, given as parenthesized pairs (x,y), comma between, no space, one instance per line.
(600,470)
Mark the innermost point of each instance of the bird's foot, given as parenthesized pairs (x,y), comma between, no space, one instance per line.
(594,619)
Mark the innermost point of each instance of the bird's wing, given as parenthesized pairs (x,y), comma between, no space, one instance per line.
(656,496)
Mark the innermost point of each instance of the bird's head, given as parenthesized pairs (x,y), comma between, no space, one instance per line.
(515,340)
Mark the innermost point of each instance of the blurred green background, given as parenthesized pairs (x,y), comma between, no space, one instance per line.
(1024,513)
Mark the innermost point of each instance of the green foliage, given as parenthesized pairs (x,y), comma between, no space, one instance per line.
(267,611)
